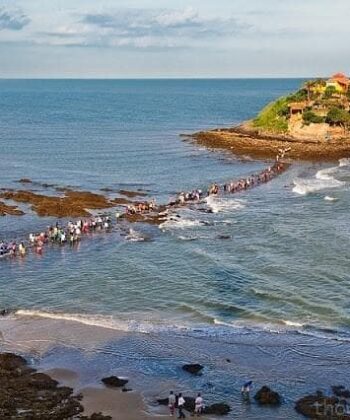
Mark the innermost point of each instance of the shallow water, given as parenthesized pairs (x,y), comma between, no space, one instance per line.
(283,267)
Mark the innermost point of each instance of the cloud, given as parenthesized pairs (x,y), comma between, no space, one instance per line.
(14,21)
(141,28)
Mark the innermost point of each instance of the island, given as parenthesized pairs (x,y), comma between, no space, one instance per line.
(312,123)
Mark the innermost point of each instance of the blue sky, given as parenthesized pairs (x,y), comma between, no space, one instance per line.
(168,38)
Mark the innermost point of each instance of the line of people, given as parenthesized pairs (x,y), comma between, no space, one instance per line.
(234,186)
(12,249)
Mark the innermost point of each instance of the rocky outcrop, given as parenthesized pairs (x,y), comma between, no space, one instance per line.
(265,396)
(320,406)
(194,369)
(114,382)
(26,394)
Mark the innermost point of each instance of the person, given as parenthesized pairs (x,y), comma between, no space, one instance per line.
(180,404)
(22,249)
(199,405)
(245,390)
(171,403)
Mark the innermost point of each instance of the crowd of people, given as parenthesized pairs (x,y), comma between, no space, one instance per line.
(141,208)
(12,249)
(70,233)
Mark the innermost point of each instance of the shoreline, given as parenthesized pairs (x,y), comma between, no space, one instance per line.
(242,140)
(80,355)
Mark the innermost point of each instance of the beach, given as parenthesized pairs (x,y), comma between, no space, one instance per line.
(252,285)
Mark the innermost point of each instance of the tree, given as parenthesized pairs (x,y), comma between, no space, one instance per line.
(338,116)
(329,92)
(310,117)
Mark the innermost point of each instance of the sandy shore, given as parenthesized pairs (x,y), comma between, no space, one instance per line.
(111,402)
(244,142)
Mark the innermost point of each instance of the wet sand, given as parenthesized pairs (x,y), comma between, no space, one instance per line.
(110,402)
(245,142)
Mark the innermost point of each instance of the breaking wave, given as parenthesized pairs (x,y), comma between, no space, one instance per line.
(209,327)
(224,205)
(324,179)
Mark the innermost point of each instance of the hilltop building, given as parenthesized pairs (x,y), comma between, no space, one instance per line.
(340,82)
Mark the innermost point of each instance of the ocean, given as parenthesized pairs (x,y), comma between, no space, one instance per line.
(280,274)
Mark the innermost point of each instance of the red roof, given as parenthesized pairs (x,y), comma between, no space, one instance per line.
(341,78)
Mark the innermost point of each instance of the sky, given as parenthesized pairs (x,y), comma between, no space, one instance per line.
(173,38)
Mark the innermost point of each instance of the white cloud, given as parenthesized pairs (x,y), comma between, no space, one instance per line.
(12,20)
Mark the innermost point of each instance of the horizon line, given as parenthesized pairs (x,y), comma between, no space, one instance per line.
(162,78)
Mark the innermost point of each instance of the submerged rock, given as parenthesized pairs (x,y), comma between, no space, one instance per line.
(194,369)
(319,406)
(265,396)
(114,381)
(218,409)
(341,391)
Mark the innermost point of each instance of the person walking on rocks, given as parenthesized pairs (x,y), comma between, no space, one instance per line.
(171,403)
(181,404)
(199,405)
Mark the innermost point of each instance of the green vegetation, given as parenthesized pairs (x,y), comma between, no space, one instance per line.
(299,96)
(273,117)
(329,92)
(338,116)
(316,102)
(310,117)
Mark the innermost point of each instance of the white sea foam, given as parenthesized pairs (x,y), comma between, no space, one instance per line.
(323,179)
(223,204)
(344,162)
(180,223)
(329,198)
(134,236)
(101,321)
(292,323)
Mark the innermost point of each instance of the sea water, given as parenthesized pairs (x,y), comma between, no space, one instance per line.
(272,260)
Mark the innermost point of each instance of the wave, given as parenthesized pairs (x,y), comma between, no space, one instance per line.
(329,198)
(181,223)
(326,178)
(134,236)
(209,326)
(96,320)
(224,205)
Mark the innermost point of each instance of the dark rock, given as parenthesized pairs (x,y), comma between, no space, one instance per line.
(4,312)
(218,409)
(319,406)
(25,181)
(114,381)
(42,381)
(126,389)
(265,396)
(194,369)
(163,401)
(340,391)
(9,361)
(29,395)
(97,416)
